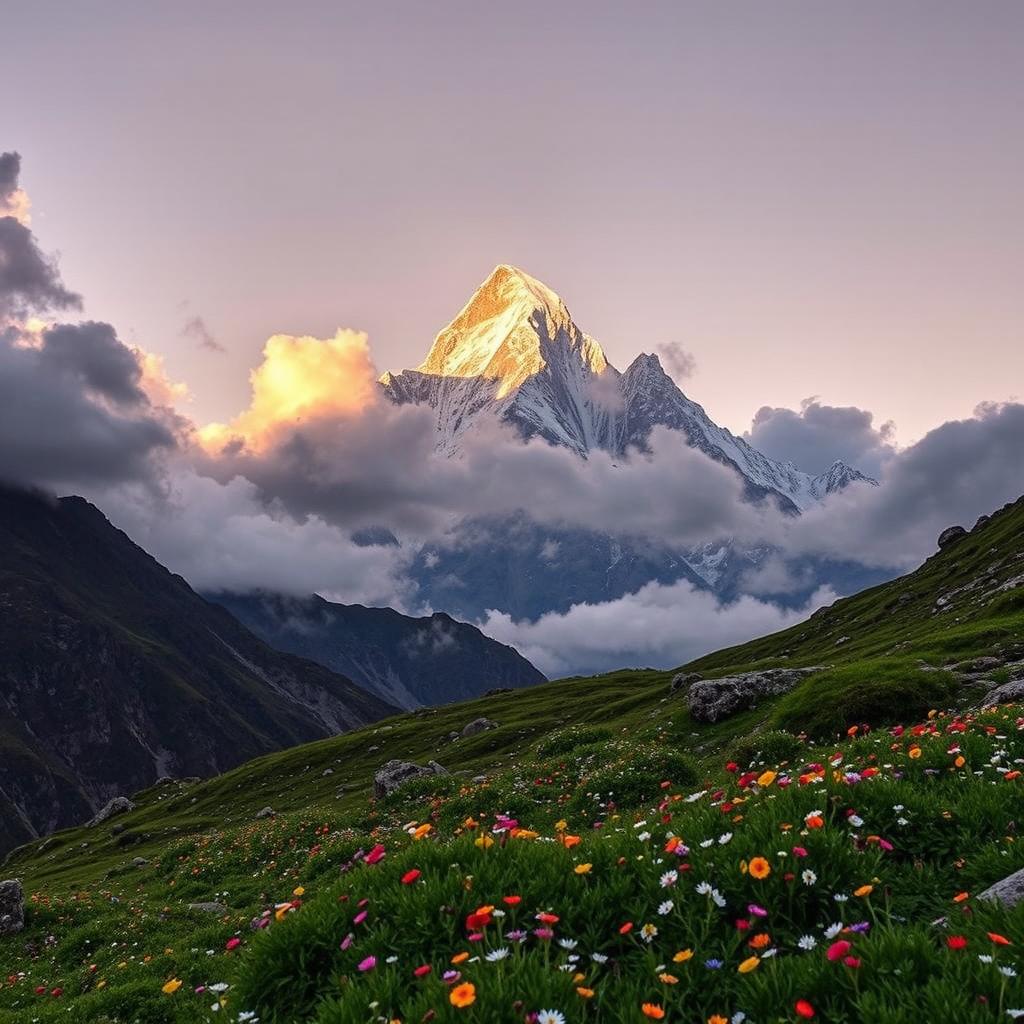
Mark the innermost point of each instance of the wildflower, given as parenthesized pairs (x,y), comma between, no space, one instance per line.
(460,958)
(648,933)
(483,842)
(668,979)
(422,971)
(807,942)
(512,901)
(599,958)
(583,869)
(368,964)
(766,778)
(804,1009)
(376,855)
(626,928)
(410,876)
(864,890)
(838,950)
(652,1010)
(713,964)
(171,987)
(233,943)
(759,868)
(999,940)
(748,965)
(682,956)
(669,878)
(462,995)
(584,993)
(956,942)
(550,1017)
(665,907)
(809,877)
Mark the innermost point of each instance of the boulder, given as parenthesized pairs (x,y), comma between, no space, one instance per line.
(478,725)
(209,908)
(682,680)
(1008,693)
(496,691)
(12,907)
(982,520)
(119,805)
(265,812)
(713,699)
(394,774)
(950,535)
(1008,891)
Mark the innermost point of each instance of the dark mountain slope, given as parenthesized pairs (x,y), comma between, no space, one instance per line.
(407,661)
(114,672)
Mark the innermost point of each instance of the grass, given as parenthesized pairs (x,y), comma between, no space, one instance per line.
(608,772)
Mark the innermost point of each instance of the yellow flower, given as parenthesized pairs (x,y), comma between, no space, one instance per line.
(584,993)
(668,979)
(766,778)
(914,752)
(561,825)
(682,956)
(864,890)
(298,891)
(748,965)
(583,869)
(759,868)
(484,842)
(171,987)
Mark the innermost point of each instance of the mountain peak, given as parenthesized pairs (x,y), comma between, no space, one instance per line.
(503,330)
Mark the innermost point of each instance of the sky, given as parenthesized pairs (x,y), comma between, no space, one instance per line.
(808,199)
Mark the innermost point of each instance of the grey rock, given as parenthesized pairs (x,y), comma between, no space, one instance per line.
(396,773)
(682,680)
(950,536)
(327,771)
(478,725)
(139,862)
(209,908)
(496,691)
(12,907)
(986,663)
(119,805)
(982,520)
(478,779)
(1006,694)
(265,812)
(713,699)
(1008,891)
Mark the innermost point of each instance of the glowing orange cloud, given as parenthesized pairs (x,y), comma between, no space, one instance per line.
(300,379)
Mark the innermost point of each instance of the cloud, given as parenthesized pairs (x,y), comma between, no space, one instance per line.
(195,327)
(682,365)
(816,436)
(660,626)
(301,380)
(73,412)
(224,536)
(955,473)
(29,282)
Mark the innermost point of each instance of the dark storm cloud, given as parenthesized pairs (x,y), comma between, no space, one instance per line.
(816,436)
(29,281)
(72,412)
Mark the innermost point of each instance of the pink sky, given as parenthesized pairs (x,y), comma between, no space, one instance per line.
(811,198)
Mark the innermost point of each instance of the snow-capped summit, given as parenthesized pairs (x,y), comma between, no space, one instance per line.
(514,354)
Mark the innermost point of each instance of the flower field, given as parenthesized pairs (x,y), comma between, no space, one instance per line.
(600,880)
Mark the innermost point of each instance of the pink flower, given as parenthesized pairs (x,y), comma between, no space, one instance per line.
(799,851)
(375,855)
(233,943)
(347,941)
(360,917)
(368,964)
(422,971)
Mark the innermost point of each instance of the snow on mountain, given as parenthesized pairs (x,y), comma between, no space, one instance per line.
(514,354)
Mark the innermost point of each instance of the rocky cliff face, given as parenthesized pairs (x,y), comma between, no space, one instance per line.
(407,661)
(114,672)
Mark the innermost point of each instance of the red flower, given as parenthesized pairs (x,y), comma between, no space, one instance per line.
(410,876)
(512,901)
(956,942)
(422,971)
(999,940)
(626,928)
(838,950)
(804,1009)
(375,855)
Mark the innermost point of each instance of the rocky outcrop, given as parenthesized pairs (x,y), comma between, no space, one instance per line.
(119,805)
(1007,891)
(950,536)
(12,907)
(683,681)
(478,725)
(396,773)
(711,700)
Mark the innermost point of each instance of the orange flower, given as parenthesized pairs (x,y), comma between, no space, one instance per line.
(759,868)
(748,965)
(961,896)
(583,869)
(568,841)
(653,1010)
(864,890)
(171,987)
(460,957)
(814,821)
(999,940)
(682,956)
(462,995)
(914,752)
(584,993)
(760,940)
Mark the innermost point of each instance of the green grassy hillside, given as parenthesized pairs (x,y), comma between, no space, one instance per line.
(698,871)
